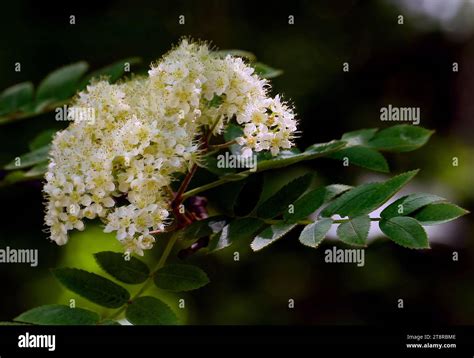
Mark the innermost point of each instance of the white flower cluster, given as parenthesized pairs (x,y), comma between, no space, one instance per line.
(146,130)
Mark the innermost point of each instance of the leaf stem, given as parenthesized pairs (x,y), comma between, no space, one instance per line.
(214,184)
(340,221)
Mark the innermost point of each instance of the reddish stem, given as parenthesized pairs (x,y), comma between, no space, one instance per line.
(182,219)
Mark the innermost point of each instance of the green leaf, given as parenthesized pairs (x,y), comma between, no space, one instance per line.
(354,231)
(314,233)
(109,322)
(211,163)
(38,170)
(149,310)
(93,287)
(266,71)
(59,315)
(363,157)
(61,83)
(439,213)
(225,196)
(14,177)
(29,159)
(359,137)
(131,271)
(15,97)
(113,72)
(287,195)
(203,228)
(401,138)
(215,101)
(325,148)
(283,159)
(311,201)
(405,231)
(238,230)
(178,278)
(233,131)
(43,106)
(365,198)
(42,139)
(408,204)
(270,235)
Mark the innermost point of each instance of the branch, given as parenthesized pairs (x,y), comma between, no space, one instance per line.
(307,222)
(263,166)
(16,116)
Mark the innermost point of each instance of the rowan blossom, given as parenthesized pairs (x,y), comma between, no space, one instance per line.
(146,130)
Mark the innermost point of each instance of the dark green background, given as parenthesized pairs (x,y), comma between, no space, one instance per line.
(405,65)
